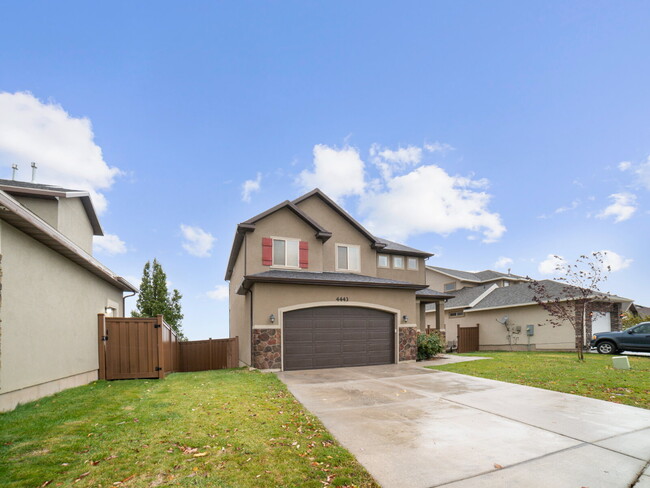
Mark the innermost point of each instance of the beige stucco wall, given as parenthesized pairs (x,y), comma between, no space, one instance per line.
(67,215)
(239,311)
(74,223)
(45,208)
(412,276)
(437,281)
(283,223)
(269,298)
(492,335)
(48,314)
(342,233)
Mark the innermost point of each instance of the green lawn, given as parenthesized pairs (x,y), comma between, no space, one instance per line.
(229,428)
(595,378)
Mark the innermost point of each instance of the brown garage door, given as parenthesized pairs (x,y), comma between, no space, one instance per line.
(332,337)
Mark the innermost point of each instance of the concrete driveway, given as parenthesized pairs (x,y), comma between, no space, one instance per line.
(414,427)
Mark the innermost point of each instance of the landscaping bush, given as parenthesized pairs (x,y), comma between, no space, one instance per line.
(428,346)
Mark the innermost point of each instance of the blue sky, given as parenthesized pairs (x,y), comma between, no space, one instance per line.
(488,133)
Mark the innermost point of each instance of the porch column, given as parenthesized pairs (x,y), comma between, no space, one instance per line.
(440,315)
(423,316)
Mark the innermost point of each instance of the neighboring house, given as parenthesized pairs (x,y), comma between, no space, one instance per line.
(639,311)
(502,306)
(52,290)
(310,287)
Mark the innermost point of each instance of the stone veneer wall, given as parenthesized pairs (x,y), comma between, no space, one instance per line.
(267,348)
(408,346)
(614,310)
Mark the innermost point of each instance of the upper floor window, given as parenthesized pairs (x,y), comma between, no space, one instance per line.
(382,261)
(348,257)
(285,252)
(398,262)
(506,283)
(412,263)
(450,286)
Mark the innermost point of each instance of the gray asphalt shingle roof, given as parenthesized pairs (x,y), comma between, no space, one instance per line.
(520,294)
(327,277)
(429,293)
(479,276)
(35,186)
(397,247)
(463,297)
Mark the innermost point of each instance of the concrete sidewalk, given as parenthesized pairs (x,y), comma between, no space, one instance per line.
(415,427)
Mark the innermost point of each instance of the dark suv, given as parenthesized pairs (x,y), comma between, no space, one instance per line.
(635,338)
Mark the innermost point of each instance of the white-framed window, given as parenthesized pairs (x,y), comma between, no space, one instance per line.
(412,263)
(382,261)
(506,283)
(456,314)
(285,252)
(348,257)
(450,286)
(398,262)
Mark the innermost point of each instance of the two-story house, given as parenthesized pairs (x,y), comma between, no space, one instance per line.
(310,287)
(52,289)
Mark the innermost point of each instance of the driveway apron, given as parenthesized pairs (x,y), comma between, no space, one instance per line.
(415,427)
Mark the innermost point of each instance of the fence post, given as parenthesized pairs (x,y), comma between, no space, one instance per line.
(210,351)
(101,332)
(161,355)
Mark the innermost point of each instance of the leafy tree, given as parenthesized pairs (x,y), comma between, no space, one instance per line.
(154,298)
(580,287)
(629,319)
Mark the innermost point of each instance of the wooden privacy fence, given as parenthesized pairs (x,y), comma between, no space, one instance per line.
(148,348)
(468,339)
(210,354)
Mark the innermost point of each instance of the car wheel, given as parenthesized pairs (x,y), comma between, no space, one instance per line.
(606,347)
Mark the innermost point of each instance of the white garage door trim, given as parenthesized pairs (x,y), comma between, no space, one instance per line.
(601,322)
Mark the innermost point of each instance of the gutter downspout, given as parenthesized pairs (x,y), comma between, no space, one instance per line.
(124,297)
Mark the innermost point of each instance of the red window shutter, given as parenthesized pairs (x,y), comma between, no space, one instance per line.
(304,254)
(267,251)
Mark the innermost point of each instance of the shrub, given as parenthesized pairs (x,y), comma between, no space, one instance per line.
(428,346)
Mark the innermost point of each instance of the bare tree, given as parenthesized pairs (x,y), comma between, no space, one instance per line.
(579,286)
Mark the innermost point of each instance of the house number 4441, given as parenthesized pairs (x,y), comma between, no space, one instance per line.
(342,299)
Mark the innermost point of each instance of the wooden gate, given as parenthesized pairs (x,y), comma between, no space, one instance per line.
(468,339)
(132,348)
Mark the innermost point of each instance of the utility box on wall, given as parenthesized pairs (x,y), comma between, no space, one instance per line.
(530,330)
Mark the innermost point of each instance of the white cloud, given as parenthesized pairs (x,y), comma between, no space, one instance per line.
(220,292)
(441,147)
(250,186)
(622,209)
(337,172)
(624,165)
(429,200)
(503,263)
(614,261)
(404,200)
(552,265)
(62,146)
(388,161)
(574,204)
(197,241)
(109,244)
(642,171)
